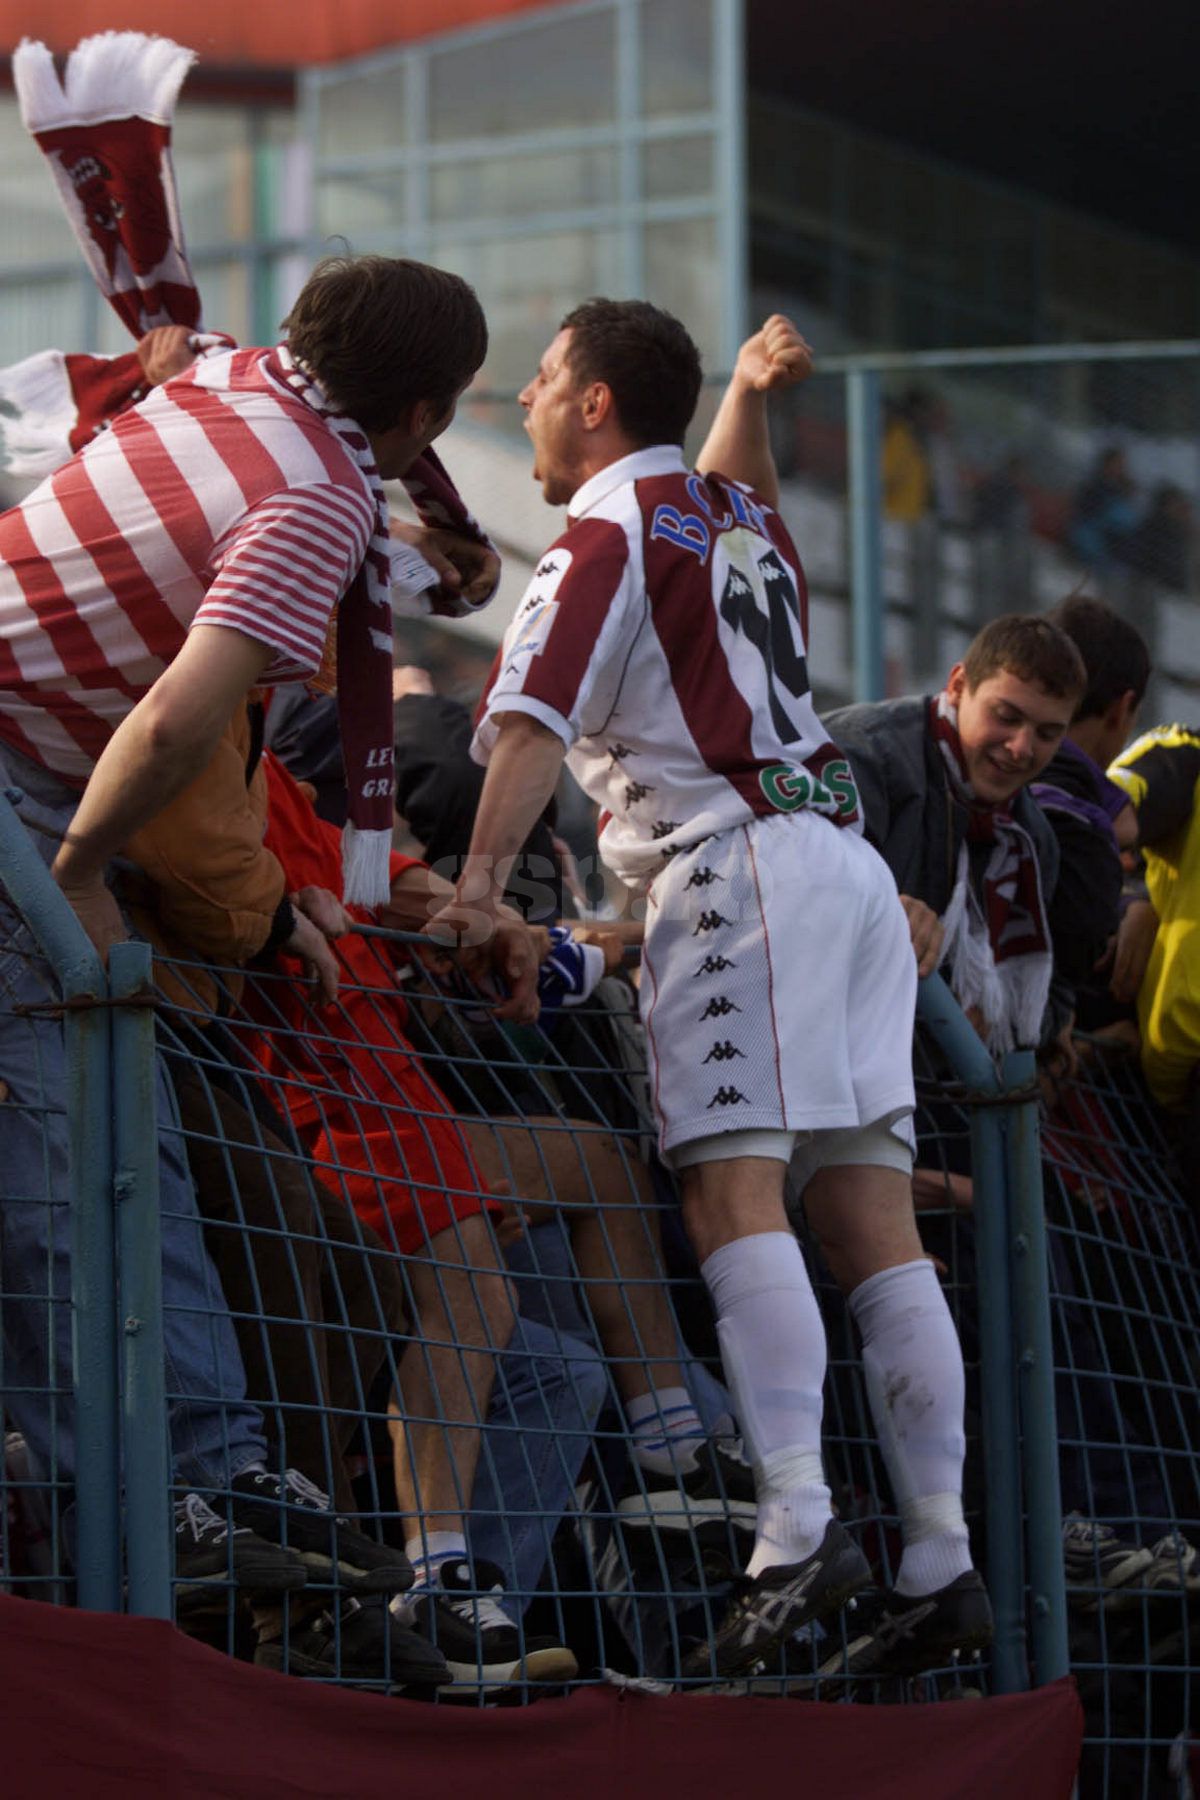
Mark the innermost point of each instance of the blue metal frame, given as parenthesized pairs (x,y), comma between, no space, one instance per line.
(1035,1370)
(864,436)
(81,980)
(941,1014)
(149,1539)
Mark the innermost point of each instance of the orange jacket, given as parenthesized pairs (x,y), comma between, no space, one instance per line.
(205,887)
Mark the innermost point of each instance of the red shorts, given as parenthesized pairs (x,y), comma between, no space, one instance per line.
(409,1175)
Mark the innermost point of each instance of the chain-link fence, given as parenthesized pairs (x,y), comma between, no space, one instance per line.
(389,1253)
(427,1267)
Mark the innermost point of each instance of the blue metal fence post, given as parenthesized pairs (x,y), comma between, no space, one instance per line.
(81,980)
(941,1014)
(149,1540)
(1035,1365)
(865,439)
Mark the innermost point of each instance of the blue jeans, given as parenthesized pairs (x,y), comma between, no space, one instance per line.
(547,1287)
(648,1608)
(548,1394)
(215,1433)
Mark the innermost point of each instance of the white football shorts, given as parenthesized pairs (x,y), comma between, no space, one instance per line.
(778,987)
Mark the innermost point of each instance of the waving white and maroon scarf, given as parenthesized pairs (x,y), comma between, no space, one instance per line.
(105,130)
(998,942)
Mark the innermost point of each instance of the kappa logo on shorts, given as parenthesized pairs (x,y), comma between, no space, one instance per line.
(662,828)
(724,1052)
(719,1008)
(710,921)
(702,878)
(619,751)
(545,567)
(713,965)
(727,1096)
(635,791)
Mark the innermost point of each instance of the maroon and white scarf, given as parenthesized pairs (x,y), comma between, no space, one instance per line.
(106,133)
(363,626)
(105,130)
(997,944)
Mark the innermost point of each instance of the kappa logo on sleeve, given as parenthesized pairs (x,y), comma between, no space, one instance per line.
(543,588)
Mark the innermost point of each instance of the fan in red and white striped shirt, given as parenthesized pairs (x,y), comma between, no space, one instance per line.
(221,500)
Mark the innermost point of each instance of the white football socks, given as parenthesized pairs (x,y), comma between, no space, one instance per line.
(913,1366)
(773,1348)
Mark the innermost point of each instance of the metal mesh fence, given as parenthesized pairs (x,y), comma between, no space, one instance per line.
(478,1213)
(438,1259)
(35,1298)
(1125,1284)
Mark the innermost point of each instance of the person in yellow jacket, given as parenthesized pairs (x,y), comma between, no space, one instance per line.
(1158,955)
(905,467)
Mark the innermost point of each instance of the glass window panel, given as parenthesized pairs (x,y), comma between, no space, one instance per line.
(678,166)
(214,171)
(361,204)
(35,227)
(360,113)
(677,46)
(682,275)
(557,74)
(525,285)
(285,277)
(226,288)
(283,186)
(504,186)
(44,315)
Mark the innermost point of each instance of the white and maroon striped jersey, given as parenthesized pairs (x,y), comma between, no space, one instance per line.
(220,500)
(663,638)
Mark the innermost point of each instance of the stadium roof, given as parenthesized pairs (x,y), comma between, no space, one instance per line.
(229,32)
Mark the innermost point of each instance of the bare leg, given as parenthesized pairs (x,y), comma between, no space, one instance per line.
(614,1233)
(724,1201)
(862,1217)
(463,1316)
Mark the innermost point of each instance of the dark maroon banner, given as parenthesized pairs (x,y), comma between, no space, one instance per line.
(110,1707)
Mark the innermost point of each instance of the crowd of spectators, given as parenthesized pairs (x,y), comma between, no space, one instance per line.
(1132,542)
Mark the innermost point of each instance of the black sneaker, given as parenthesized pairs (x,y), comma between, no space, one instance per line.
(707,1501)
(1174,1566)
(483,1648)
(768,1608)
(1100,1566)
(207,1551)
(903,1634)
(362,1641)
(293,1510)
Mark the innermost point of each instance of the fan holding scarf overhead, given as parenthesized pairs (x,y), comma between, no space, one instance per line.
(244,497)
